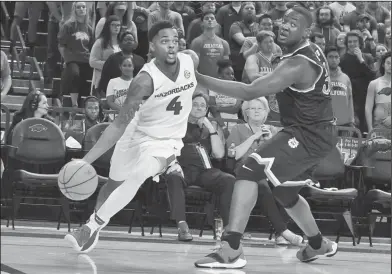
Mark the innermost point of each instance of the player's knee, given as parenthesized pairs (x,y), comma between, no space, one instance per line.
(285,197)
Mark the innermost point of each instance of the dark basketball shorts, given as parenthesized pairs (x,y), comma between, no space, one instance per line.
(288,156)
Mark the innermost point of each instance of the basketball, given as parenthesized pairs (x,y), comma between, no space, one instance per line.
(78,180)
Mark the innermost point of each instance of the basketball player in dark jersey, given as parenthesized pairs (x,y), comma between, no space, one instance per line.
(301,83)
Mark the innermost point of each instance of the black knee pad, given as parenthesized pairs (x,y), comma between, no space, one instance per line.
(286,196)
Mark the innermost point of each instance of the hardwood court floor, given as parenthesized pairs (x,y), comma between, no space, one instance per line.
(24,255)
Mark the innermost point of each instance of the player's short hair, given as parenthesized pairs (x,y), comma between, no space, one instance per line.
(261,35)
(305,13)
(246,104)
(382,62)
(153,31)
(331,49)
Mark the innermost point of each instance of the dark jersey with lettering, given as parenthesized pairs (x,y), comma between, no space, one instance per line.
(312,106)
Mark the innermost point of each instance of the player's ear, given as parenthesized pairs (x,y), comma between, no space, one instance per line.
(308,33)
(152,47)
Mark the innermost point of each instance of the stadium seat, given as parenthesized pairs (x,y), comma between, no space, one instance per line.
(38,142)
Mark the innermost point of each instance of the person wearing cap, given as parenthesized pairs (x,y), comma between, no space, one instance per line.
(350,20)
(195,28)
(382,15)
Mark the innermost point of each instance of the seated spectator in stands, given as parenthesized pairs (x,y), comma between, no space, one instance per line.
(195,28)
(340,44)
(340,9)
(209,47)
(250,45)
(318,39)
(111,68)
(380,51)
(6,80)
(34,12)
(181,44)
(277,14)
(186,12)
(35,105)
(123,11)
(118,87)
(387,41)
(164,13)
(350,20)
(75,41)
(226,16)
(247,138)
(341,91)
(325,25)
(202,143)
(222,106)
(378,99)
(238,32)
(93,115)
(104,47)
(359,68)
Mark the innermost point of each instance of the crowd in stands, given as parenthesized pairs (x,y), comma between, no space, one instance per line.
(106,42)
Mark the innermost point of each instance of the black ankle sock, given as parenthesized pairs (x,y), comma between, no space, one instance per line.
(315,241)
(233,238)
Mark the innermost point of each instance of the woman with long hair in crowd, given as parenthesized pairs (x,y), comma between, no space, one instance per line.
(247,138)
(340,44)
(387,41)
(380,50)
(104,46)
(75,41)
(122,10)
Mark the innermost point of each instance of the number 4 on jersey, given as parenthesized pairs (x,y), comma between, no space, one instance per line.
(174,106)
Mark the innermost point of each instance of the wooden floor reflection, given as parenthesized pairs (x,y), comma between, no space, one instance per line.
(53,256)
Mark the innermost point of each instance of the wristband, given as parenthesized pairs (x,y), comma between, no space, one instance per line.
(214,133)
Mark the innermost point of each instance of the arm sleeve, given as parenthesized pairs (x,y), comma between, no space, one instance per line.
(96,54)
(109,89)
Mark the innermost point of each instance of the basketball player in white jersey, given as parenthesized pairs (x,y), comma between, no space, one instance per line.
(147,133)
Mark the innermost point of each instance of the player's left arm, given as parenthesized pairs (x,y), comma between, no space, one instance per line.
(194,57)
(287,73)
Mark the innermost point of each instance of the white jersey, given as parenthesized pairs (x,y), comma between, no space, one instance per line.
(164,115)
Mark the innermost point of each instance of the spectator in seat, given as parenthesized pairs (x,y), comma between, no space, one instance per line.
(350,20)
(123,11)
(238,32)
(164,13)
(111,68)
(34,11)
(380,51)
(387,42)
(340,44)
(318,39)
(341,91)
(202,143)
(247,138)
(222,106)
(35,105)
(378,99)
(209,47)
(325,25)
(251,46)
(195,28)
(6,80)
(381,14)
(277,14)
(185,11)
(226,16)
(105,46)
(181,44)
(359,68)
(118,87)
(75,41)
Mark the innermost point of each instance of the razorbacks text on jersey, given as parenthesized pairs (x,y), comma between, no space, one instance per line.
(311,106)
(164,115)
